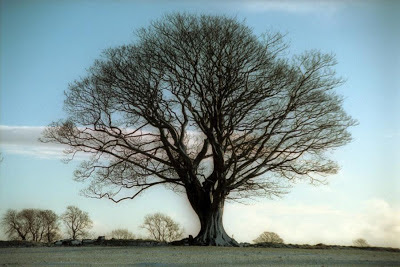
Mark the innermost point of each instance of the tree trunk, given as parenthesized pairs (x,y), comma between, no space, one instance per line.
(212,232)
(21,235)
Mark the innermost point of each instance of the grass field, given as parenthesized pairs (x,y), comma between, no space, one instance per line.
(198,256)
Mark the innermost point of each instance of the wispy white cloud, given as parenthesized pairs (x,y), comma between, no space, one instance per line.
(24,140)
(24,135)
(293,6)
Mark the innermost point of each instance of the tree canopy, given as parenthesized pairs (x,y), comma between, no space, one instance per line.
(204,106)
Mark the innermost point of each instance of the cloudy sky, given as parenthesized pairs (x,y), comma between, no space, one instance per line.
(47,44)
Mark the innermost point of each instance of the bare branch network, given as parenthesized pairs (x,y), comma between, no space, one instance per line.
(202,105)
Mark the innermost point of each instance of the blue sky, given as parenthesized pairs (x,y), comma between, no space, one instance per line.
(47,44)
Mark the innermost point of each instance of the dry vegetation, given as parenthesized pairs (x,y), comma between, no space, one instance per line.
(221,256)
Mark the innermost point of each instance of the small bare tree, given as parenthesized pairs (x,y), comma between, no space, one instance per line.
(34,222)
(51,225)
(360,242)
(162,227)
(268,237)
(122,234)
(14,226)
(77,222)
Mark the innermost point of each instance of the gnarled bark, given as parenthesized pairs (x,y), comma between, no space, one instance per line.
(210,211)
(212,232)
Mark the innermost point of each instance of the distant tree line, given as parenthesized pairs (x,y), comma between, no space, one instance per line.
(31,224)
(44,225)
(271,237)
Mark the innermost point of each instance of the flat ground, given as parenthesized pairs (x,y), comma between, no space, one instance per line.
(201,256)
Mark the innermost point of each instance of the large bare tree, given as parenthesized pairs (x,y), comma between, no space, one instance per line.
(204,106)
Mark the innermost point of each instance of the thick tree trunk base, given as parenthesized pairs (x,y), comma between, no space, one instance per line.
(221,239)
(212,232)
(202,241)
(210,208)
